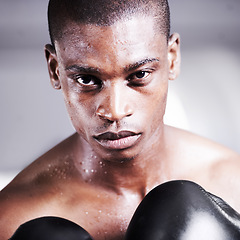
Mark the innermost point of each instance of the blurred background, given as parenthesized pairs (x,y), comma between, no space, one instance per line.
(204,99)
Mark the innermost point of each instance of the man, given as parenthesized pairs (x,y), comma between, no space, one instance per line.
(113,60)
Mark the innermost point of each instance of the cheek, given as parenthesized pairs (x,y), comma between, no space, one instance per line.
(79,109)
(158,112)
(77,103)
(155,106)
(161,98)
(81,117)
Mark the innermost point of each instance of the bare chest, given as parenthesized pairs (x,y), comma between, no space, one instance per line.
(103,218)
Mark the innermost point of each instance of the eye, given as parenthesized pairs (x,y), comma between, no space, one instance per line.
(88,82)
(139,78)
(139,75)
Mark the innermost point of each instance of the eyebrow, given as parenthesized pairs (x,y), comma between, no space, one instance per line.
(93,70)
(83,69)
(140,63)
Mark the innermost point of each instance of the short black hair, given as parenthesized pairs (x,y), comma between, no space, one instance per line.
(104,13)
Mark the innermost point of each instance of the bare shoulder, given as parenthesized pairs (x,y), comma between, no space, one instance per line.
(36,190)
(191,145)
(51,168)
(224,181)
(58,160)
(212,165)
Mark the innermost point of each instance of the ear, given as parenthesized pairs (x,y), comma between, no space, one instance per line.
(174,58)
(52,63)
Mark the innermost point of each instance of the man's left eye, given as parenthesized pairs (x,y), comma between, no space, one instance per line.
(140,74)
(139,78)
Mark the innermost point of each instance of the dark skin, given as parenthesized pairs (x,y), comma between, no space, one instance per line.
(114,81)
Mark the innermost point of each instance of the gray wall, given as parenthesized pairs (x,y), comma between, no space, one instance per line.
(33,117)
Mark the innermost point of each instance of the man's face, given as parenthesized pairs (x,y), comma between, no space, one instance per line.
(114,80)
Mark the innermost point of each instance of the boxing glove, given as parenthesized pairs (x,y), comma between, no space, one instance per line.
(50,228)
(182,210)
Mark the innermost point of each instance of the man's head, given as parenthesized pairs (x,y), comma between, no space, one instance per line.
(114,76)
(105,13)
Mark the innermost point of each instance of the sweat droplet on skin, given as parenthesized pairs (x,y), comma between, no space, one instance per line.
(67,163)
(102,164)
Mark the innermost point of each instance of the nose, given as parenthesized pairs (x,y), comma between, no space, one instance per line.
(114,104)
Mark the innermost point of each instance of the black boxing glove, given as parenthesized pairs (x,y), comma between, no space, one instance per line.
(182,210)
(50,228)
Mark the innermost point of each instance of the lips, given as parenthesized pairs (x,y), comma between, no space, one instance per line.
(117,141)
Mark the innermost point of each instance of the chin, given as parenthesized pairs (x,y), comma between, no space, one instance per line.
(120,156)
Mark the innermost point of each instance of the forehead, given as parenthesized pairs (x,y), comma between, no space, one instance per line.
(134,38)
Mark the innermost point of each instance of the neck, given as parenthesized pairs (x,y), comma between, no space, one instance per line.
(138,175)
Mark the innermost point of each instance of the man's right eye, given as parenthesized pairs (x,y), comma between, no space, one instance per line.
(88,81)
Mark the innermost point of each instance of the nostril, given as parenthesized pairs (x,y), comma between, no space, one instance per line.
(128,111)
(110,121)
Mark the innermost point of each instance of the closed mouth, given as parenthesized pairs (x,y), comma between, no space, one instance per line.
(117,141)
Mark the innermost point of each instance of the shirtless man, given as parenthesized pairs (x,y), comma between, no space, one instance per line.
(113,60)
